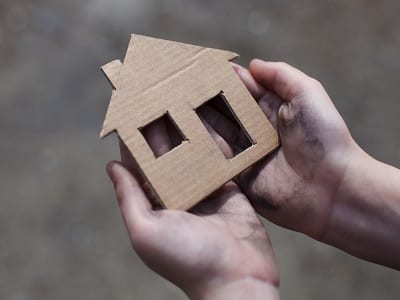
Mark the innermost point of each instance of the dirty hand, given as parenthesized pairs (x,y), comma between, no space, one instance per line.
(294,186)
(319,182)
(219,250)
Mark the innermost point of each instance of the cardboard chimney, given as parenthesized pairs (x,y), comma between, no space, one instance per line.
(160,78)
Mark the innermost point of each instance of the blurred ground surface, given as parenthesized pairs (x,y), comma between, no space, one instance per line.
(61,235)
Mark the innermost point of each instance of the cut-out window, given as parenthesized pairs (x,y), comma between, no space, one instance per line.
(218,117)
(162,135)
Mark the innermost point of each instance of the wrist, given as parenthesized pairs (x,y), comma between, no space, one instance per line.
(246,288)
(330,186)
(364,219)
(345,188)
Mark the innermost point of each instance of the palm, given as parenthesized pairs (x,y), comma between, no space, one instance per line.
(289,186)
(292,185)
(217,237)
(221,236)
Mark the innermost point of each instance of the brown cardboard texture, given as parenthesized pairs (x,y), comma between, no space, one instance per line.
(161,78)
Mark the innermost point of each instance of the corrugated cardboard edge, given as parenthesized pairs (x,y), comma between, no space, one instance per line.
(112,71)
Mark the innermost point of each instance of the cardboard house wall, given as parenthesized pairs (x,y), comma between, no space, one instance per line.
(159,77)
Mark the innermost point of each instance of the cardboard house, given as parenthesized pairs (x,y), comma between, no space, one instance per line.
(165,79)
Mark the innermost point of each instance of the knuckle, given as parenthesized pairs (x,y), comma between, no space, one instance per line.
(314,83)
(284,112)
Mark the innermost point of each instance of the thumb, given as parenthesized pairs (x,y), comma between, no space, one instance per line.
(135,207)
(304,99)
(282,79)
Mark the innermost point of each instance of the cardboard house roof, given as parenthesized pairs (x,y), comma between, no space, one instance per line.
(160,77)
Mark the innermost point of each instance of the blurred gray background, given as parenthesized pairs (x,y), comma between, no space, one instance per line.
(61,236)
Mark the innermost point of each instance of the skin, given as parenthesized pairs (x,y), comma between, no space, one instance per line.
(319,182)
(219,249)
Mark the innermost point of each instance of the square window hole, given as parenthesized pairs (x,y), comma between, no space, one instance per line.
(162,135)
(218,117)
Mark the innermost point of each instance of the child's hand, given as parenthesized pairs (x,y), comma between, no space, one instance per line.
(319,181)
(295,185)
(218,250)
